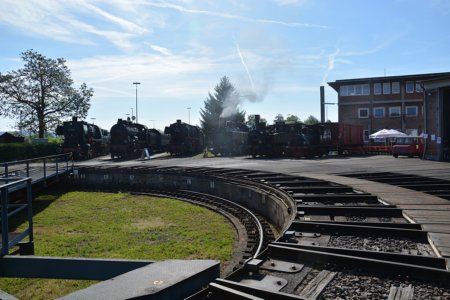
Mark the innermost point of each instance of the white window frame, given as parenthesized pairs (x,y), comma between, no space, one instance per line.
(399,111)
(418,88)
(354,90)
(378,108)
(412,86)
(377,88)
(412,106)
(363,109)
(386,88)
(397,87)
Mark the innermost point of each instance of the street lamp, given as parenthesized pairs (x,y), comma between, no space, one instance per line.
(189,115)
(136,84)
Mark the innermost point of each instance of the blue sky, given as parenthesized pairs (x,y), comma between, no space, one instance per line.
(279,50)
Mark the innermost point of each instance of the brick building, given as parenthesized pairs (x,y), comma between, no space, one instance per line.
(398,102)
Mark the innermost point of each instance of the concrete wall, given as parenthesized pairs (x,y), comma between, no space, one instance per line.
(274,205)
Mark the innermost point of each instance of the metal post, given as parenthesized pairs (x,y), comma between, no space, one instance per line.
(30,211)
(45,169)
(4,200)
(6,170)
(28,168)
(136,84)
(189,115)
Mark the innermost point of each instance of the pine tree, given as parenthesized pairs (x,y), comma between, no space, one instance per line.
(225,99)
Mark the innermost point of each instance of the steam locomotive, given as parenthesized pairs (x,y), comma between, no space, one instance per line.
(128,140)
(302,140)
(185,139)
(83,139)
(230,140)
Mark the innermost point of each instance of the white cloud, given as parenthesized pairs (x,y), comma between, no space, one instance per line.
(160,49)
(67,22)
(289,2)
(226,15)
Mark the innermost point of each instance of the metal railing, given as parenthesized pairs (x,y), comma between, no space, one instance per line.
(21,175)
(10,209)
(38,169)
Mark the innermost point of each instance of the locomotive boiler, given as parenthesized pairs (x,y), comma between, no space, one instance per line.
(83,139)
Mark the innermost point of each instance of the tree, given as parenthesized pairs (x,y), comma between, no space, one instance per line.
(41,93)
(311,120)
(220,107)
(278,118)
(293,119)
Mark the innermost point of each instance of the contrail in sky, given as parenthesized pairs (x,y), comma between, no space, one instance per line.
(245,66)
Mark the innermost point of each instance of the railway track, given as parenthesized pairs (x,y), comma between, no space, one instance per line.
(343,244)
(252,229)
(433,186)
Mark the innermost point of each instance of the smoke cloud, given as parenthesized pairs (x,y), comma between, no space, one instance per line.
(254,93)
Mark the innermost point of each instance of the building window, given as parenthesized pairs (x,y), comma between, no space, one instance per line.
(411,111)
(366,135)
(396,87)
(363,112)
(378,112)
(377,88)
(386,87)
(410,86)
(418,88)
(412,132)
(395,111)
(355,90)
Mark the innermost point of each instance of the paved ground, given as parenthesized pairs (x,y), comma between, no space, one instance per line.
(433,213)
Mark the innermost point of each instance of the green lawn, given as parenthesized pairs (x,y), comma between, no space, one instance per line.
(106,225)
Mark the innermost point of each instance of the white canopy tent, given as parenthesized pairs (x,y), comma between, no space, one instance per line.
(387,133)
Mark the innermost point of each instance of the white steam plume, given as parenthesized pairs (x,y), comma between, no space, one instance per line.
(252,94)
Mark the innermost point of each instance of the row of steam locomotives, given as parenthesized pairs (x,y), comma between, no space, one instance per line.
(287,139)
(128,140)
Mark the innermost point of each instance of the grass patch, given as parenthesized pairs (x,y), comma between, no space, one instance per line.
(107,225)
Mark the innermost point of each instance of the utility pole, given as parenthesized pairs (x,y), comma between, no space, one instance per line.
(136,84)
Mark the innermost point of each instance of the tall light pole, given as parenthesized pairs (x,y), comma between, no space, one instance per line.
(189,115)
(136,84)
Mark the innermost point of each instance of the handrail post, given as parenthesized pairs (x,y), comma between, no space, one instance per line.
(6,170)
(28,168)
(56,166)
(5,238)
(45,169)
(30,210)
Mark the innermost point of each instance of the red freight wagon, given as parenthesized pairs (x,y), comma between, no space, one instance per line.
(344,138)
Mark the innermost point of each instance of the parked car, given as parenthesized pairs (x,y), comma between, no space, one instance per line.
(408,146)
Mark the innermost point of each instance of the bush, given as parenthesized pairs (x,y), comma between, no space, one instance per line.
(20,151)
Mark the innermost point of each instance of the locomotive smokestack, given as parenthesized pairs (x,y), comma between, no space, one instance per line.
(178,121)
(257,119)
(74,119)
(322,104)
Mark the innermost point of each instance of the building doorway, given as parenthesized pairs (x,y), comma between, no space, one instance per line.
(446,124)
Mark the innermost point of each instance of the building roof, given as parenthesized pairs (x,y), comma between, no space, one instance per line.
(428,76)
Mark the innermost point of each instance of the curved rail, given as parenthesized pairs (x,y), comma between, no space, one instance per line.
(186,195)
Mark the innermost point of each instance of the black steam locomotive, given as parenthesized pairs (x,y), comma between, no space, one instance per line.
(230,140)
(185,139)
(129,140)
(83,139)
(303,140)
